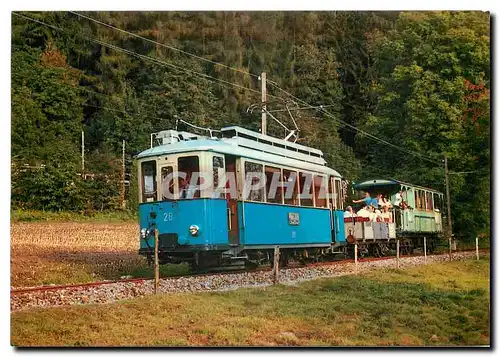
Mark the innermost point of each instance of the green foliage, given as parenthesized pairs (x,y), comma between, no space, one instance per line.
(419,80)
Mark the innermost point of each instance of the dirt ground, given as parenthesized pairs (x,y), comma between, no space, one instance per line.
(63,252)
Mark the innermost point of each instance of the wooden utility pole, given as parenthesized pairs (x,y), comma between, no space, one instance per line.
(356,258)
(425,250)
(264,101)
(83,153)
(276,269)
(397,253)
(477,248)
(157,265)
(122,186)
(447,181)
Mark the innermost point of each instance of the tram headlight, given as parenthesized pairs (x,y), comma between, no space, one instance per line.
(194,229)
(144,233)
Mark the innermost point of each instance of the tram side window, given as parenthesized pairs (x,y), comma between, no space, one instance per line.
(167,183)
(189,187)
(273,184)
(253,180)
(148,170)
(306,189)
(218,167)
(290,187)
(320,191)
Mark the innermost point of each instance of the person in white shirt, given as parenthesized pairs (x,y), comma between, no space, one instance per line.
(373,214)
(364,211)
(398,199)
(386,214)
(386,202)
(349,212)
(380,200)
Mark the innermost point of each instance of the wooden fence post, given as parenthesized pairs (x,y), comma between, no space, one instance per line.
(397,253)
(449,253)
(356,258)
(477,248)
(425,250)
(276,264)
(157,265)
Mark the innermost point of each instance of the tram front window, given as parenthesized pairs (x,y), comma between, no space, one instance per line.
(189,177)
(148,171)
(217,175)
(167,183)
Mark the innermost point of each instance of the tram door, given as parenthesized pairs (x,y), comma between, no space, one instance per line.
(232,202)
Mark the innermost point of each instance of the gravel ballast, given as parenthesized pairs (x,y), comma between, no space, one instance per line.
(107,293)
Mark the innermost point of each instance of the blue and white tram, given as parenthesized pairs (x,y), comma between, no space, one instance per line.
(296,204)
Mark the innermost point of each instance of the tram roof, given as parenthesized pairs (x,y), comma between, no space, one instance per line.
(379,183)
(231,147)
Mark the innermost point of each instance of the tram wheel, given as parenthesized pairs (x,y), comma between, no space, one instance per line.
(376,251)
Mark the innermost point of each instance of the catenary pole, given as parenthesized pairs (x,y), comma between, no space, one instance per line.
(264,101)
(122,186)
(83,153)
(448,201)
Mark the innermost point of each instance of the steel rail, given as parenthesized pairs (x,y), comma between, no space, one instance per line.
(143,280)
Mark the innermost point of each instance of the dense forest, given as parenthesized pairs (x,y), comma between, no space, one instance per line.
(400,90)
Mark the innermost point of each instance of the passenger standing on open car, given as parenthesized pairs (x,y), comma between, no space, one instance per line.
(386,215)
(386,202)
(349,212)
(364,211)
(398,199)
(367,200)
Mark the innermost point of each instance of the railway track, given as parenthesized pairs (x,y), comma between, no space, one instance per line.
(45,288)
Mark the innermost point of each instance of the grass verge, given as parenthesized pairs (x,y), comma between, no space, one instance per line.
(437,304)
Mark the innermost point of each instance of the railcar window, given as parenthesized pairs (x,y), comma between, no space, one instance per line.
(338,197)
(273,185)
(306,189)
(417,201)
(422,199)
(320,191)
(429,201)
(167,183)
(218,169)
(290,187)
(189,186)
(437,202)
(148,170)
(256,191)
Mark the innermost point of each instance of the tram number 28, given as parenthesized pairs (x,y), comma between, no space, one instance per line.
(168,217)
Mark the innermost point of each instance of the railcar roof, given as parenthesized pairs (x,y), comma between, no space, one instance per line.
(230,147)
(389,182)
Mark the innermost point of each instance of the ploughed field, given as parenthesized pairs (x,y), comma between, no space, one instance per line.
(68,253)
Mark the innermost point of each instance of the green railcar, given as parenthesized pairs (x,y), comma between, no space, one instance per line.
(417,212)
